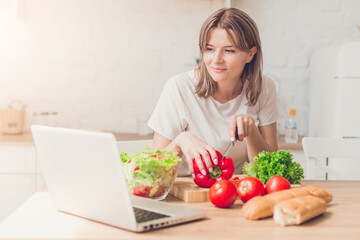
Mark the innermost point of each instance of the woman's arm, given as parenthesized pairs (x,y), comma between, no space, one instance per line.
(160,142)
(263,138)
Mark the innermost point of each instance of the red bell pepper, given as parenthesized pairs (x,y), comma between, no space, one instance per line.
(224,169)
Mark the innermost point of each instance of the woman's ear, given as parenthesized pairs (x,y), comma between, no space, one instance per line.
(252,53)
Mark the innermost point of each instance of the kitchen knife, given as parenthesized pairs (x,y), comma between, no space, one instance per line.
(231,145)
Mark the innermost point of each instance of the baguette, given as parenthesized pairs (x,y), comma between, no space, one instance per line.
(263,206)
(298,210)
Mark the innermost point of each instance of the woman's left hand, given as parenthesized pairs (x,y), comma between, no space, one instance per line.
(244,124)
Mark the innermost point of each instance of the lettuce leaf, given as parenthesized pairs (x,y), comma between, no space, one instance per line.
(151,170)
(268,164)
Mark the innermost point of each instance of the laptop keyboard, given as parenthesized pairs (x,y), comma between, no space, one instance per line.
(143,215)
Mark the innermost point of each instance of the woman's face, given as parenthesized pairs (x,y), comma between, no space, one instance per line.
(223,60)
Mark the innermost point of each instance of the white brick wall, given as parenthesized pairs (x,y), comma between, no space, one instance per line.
(102,63)
(98,63)
(291,31)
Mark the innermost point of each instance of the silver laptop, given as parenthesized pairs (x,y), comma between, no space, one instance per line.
(82,171)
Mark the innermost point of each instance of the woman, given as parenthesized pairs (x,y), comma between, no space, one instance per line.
(201,110)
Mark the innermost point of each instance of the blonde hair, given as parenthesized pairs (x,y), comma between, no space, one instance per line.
(244,34)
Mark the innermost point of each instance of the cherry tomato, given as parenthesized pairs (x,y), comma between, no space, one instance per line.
(158,156)
(142,191)
(222,193)
(249,187)
(159,192)
(277,183)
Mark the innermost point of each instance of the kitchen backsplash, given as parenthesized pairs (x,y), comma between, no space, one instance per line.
(102,64)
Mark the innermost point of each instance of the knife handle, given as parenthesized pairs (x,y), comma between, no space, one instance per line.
(236,135)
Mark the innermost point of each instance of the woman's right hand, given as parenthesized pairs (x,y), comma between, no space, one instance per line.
(193,148)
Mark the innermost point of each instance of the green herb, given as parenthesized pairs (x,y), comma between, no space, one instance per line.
(269,164)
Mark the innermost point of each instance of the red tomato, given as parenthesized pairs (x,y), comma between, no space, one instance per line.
(142,191)
(235,180)
(249,187)
(159,192)
(158,156)
(277,183)
(222,194)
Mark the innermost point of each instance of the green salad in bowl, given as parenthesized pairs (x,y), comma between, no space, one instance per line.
(150,174)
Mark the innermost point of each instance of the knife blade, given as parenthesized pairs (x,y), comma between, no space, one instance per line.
(231,145)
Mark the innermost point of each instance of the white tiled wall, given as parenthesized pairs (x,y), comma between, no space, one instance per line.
(101,64)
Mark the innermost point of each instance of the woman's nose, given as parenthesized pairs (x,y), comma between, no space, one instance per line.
(218,57)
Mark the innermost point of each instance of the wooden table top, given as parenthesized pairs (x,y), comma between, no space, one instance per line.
(37,219)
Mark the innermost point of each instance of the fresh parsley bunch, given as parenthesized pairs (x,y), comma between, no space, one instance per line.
(268,164)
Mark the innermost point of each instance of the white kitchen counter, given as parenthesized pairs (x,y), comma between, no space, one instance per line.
(25,139)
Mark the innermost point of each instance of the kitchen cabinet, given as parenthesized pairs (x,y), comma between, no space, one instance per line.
(17,159)
(18,176)
(14,190)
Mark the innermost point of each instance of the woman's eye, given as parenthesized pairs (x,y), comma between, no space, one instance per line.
(209,49)
(229,50)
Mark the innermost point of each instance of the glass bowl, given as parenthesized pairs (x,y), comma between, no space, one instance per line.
(149,179)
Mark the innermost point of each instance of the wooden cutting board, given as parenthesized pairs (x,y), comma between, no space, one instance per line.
(185,189)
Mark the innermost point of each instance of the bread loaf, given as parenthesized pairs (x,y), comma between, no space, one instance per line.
(298,210)
(263,206)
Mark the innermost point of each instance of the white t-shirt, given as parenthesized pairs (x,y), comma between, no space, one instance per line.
(180,109)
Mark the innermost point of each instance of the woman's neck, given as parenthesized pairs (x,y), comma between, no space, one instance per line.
(227,91)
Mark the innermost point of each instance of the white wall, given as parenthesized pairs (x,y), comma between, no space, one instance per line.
(291,31)
(97,63)
(101,63)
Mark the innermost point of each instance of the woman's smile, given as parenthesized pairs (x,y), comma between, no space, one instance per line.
(218,70)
